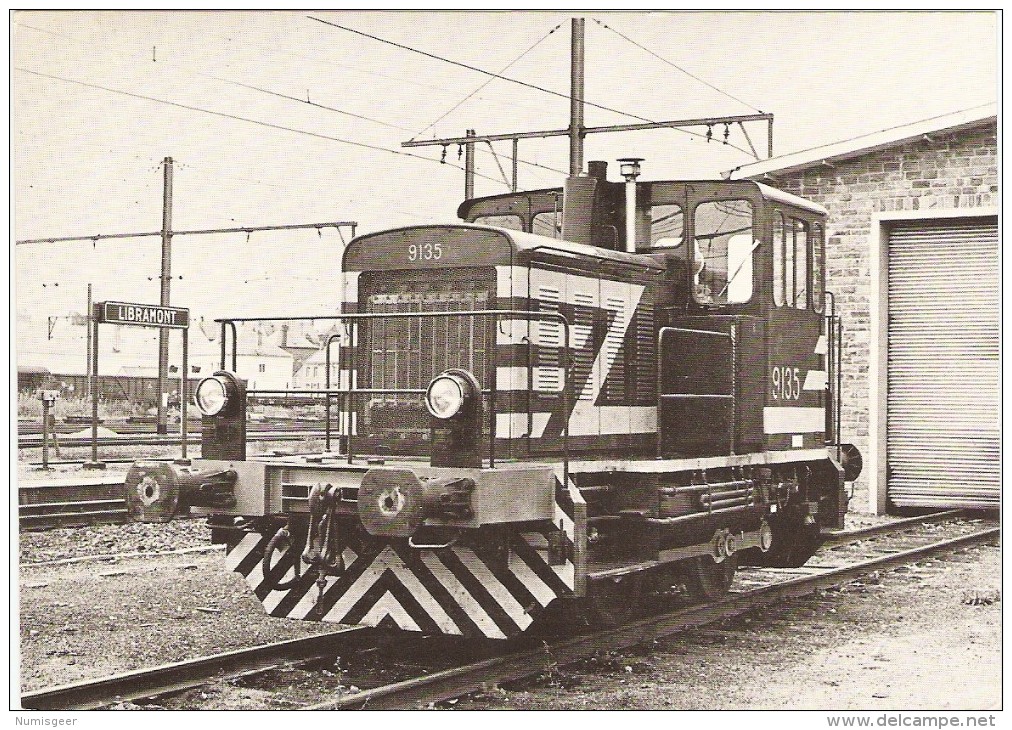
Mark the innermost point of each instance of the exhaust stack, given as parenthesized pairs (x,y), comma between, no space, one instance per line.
(630,169)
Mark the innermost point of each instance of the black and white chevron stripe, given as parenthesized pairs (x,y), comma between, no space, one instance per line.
(448,591)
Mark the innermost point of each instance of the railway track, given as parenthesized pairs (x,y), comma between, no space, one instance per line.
(435,686)
(34,428)
(183,675)
(32,441)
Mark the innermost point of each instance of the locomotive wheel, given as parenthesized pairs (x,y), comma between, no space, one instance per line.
(793,545)
(806,541)
(707,580)
(614,602)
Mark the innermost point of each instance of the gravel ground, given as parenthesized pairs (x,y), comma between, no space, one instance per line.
(926,637)
(139,537)
(883,644)
(90,619)
(889,642)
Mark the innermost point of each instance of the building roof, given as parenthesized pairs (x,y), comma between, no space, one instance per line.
(862,145)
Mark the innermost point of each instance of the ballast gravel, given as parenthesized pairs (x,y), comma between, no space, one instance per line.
(925,637)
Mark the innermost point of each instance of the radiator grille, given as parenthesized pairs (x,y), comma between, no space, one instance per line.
(406,353)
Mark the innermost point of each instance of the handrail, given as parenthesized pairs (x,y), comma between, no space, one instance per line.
(646,265)
(834,362)
(235,343)
(349,392)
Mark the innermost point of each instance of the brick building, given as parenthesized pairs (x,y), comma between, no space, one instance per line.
(913,261)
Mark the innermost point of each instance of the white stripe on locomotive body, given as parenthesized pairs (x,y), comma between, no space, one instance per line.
(566,573)
(387,605)
(695,464)
(307,603)
(510,281)
(613,420)
(517,425)
(237,554)
(357,589)
(462,596)
(541,592)
(512,332)
(496,589)
(815,380)
(564,522)
(425,600)
(793,419)
(351,286)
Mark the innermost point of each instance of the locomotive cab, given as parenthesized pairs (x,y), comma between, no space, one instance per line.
(743,261)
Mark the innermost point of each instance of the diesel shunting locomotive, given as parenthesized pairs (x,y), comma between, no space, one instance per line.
(572,397)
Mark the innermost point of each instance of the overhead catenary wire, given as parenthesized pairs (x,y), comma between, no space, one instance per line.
(515,81)
(487,82)
(307,101)
(469,67)
(675,65)
(360,116)
(236,117)
(203,231)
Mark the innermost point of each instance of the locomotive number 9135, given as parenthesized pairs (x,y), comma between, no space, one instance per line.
(425,252)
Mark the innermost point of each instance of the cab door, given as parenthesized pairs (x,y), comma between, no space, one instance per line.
(794,414)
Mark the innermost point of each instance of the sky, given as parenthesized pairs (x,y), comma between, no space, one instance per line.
(278,118)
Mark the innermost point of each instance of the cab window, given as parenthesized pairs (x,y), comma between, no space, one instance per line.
(778,259)
(723,250)
(666,226)
(548,224)
(801,264)
(789,263)
(818,267)
(506,220)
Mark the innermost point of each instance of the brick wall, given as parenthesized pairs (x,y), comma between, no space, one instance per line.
(953,170)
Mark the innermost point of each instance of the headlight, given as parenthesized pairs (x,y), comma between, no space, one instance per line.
(211,396)
(445,396)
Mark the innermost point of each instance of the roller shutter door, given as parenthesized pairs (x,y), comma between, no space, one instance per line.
(943,390)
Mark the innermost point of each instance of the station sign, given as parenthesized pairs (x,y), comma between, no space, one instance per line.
(144,315)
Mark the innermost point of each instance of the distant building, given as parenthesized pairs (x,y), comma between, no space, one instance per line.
(313,373)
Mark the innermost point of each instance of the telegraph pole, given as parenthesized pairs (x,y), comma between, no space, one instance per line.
(577,132)
(576,100)
(469,167)
(166,280)
(87,323)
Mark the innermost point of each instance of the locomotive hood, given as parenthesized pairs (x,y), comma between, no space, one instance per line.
(465,244)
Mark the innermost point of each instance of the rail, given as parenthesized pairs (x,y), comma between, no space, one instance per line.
(133,685)
(445,684)
(347,395)
(437,686)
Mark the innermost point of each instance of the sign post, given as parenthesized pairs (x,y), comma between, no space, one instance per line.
(138,315)
(48,398)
